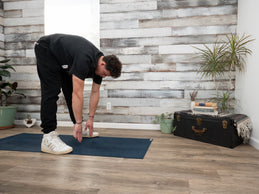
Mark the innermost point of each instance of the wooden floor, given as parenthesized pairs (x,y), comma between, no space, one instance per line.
(171,165)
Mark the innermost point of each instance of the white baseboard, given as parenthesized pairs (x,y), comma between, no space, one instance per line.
(127,126)
(106,125)
(254,142)
(117,125)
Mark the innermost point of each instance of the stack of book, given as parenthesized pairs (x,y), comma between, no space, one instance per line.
(209,108)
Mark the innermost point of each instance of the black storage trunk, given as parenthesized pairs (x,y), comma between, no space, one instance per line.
(218,130)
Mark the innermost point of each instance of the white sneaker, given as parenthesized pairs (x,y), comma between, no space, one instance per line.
(52,144)
(85,133)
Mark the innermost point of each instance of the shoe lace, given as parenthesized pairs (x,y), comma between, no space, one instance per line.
(56,142)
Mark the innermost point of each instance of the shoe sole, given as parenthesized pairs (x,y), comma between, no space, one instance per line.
(56,153)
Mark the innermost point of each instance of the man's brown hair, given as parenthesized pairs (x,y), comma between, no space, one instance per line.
(113,65)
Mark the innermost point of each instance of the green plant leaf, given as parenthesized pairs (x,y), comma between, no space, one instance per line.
(237,51)
(5,73)
(5,60)
(7,67)
(163,116)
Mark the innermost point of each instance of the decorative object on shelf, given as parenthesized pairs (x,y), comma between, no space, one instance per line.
(209,108)
(29,122)
(193,96)
(7,89)
(166,122)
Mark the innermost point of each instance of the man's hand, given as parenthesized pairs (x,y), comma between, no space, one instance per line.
(90,125)
(78,132)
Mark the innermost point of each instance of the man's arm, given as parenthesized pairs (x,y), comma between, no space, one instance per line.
(93,102)
(77,104)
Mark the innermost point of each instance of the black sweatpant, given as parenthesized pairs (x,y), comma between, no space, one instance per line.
(52,79)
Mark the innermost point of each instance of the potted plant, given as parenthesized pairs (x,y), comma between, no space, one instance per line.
(7,89)
(224,57)
(29,122)
(212,62)
(236,53)
(224,103)
(166,122)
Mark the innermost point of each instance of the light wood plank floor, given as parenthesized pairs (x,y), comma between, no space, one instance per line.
(171,165)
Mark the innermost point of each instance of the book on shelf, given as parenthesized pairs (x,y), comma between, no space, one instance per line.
(206,104)
(203,109)
(205,113)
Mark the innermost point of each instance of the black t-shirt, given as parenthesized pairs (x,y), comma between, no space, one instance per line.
(77,54)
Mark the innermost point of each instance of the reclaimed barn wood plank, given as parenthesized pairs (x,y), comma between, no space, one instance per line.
(145,93)
(182,49)
(197,30)
(22,37)
(115,43)
(132,6)
(165,4)
(141,50)
(23,21)
(129,24)
(22,61)
(157,85)
(14,5)
(158,67)
(190,21)
(135,58)
(165,76)
(19,45)
(118,1)
(13,13)
(38,28)
(200,11)
(32,12)
(138,102)
(117,16)
(125,33)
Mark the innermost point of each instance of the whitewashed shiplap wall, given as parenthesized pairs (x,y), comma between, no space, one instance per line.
(1,31)
(23,25)
(154,40)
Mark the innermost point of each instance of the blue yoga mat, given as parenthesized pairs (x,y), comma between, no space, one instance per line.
(99,146)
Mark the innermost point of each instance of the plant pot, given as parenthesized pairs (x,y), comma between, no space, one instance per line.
(25,122)
(166,125)
(7,115)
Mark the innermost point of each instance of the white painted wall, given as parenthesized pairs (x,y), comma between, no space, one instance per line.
(78,17)
(247,90)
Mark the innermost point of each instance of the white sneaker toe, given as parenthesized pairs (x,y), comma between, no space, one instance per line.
(52,144)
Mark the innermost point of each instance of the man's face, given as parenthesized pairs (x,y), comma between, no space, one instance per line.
(101,71)
(104,72)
